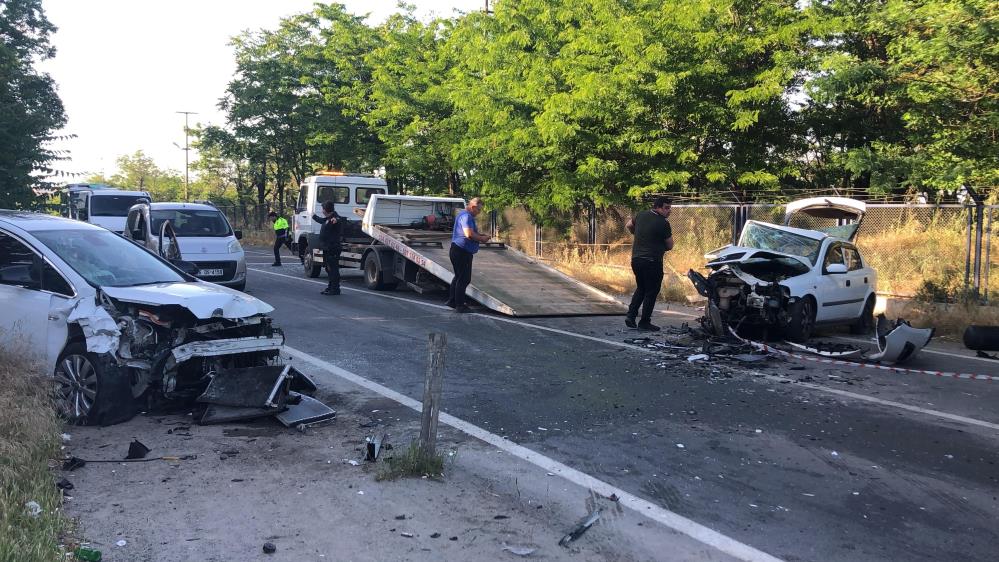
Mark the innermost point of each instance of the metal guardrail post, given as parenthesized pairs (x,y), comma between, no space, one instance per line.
(979,225)
(967,254)
(988,253)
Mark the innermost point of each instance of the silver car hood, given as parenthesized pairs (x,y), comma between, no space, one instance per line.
(204,300)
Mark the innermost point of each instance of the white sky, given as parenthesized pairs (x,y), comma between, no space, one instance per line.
(124,67)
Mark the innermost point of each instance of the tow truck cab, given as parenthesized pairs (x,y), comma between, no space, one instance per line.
(349,192)
(101,204)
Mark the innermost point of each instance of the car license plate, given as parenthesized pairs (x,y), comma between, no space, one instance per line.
(209,273)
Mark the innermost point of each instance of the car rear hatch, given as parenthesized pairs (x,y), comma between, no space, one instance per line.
(837,216)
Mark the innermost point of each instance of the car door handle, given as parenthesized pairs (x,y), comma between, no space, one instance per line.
(847,282)
(54,317)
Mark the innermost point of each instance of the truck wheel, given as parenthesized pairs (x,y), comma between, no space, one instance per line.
(91,389)
(374,278)
(312,268)
(802,313)
(865,324)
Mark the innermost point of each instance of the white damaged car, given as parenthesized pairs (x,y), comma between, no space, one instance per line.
(789,279)
(114,322)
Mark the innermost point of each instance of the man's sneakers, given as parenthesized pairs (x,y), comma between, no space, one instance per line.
(462,309)
(449,304)
(329,291)
(644,325)
(276,264)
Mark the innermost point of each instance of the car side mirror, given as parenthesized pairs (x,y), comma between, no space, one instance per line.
(836,268)
(238,234)
(185,266)
(299,209)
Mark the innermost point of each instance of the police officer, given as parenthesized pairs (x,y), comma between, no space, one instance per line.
(281,236)
(329,243)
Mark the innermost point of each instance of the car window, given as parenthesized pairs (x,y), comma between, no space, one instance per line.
(113,205)
(303,196)
(105,259)
(833,255)
(853,261)
(339,195)
(22,267)
(762,237)
(363,194)
(191,222)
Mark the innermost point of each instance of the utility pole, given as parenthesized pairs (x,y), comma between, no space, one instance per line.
(187,153)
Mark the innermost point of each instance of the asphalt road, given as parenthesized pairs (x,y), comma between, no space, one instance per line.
(802,460)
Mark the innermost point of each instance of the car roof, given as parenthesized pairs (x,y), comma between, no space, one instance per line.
(112,191)
(31,221)
(174,206)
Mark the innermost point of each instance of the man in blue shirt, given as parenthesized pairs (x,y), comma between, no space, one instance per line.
(465,240)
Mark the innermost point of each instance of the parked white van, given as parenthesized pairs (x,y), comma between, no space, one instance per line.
(102,205)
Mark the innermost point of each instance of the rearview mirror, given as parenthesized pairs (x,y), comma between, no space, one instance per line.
(238,234)
(836,268)
(185,266)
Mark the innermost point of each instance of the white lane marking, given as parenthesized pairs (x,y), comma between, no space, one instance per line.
(924,350)
(654,512)
(838,392)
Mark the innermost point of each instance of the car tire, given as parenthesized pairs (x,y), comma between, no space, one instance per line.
(864,325)
(240,286)
(312,269)
(91,389)
(374,277)
(802,314)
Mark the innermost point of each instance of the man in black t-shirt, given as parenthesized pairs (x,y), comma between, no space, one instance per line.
(653,238)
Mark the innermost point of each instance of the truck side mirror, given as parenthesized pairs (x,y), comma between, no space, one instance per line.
(238,234)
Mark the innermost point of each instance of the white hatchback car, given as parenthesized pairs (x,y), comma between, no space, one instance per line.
(790,278)
(113,321)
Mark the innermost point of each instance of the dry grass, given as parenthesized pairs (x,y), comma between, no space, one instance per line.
(412,463)
(29,442)
(258,238)
(949,320)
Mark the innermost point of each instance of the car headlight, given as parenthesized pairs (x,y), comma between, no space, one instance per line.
(234,247)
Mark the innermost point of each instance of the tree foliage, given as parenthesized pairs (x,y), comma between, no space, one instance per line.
(556,103)
(30,108)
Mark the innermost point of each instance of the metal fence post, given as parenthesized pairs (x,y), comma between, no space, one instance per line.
(591,235)
(967,255)
(979,225)
(988,254)
(538,236)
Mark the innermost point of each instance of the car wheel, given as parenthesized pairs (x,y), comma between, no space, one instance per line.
(374,277)
(312,269)
(91,389)
(802,313)
(864,325)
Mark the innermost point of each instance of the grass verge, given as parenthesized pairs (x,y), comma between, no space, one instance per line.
(29,442)
(412,463)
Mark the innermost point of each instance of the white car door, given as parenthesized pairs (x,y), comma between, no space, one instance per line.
(859,279)
(836,295)
(35,299)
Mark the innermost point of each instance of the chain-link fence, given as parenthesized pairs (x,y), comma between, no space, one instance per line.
(929,249)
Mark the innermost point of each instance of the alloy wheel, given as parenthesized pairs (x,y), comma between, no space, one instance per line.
(76,390)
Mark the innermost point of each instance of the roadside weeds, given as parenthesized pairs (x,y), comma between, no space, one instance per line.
(29,441)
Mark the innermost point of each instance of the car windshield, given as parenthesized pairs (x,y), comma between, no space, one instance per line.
(764,237)
(191,222)
(105,259)
(113,205)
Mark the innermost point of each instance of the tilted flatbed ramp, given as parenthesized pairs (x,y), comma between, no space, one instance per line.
(503,279)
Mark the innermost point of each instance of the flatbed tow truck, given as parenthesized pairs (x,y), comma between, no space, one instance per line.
(406,239)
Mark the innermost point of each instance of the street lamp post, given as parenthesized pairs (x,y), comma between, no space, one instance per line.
(187,152)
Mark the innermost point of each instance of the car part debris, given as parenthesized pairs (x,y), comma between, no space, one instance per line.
(136,450)
(304,409)
(580,528)
(64,484)
(301,382)
(832,350)
(523,551)
(73,463)
(215,414)
(251,387)
(697,357)
(751,357)
(982,338)
(373,446)
(269,548)
(99,329)
(984,355)
(899,342)
(34,509)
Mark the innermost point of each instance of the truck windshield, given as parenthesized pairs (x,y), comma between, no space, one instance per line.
(113,205)
(190,222)
(105,259)
(764,237)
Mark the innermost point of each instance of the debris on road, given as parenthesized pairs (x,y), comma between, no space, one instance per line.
(34,509)
(899,342)
(373,446)
(73,463)
(981,339)
(64,485)
(257,392)
(522,551)
(136,450)
(121,543)
(269,548)
(837,350)
(86,554)
(580,528)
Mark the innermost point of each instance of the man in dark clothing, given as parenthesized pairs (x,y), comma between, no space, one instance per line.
(329,243)
(653,238)
(282,236)
(465,240)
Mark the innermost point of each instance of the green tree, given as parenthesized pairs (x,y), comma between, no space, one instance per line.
(30,109)
(139,172)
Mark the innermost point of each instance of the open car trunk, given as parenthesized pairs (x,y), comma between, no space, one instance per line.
(837,216)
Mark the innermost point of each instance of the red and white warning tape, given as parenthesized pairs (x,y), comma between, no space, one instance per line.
(943,374)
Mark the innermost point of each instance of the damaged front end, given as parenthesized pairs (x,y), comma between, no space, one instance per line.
(161,351)
(744,289)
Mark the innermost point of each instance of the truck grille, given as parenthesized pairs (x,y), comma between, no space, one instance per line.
(228,270)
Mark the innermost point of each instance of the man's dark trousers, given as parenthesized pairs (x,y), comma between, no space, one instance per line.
(648,281)
(331,262)
(278,242)
(461,261)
